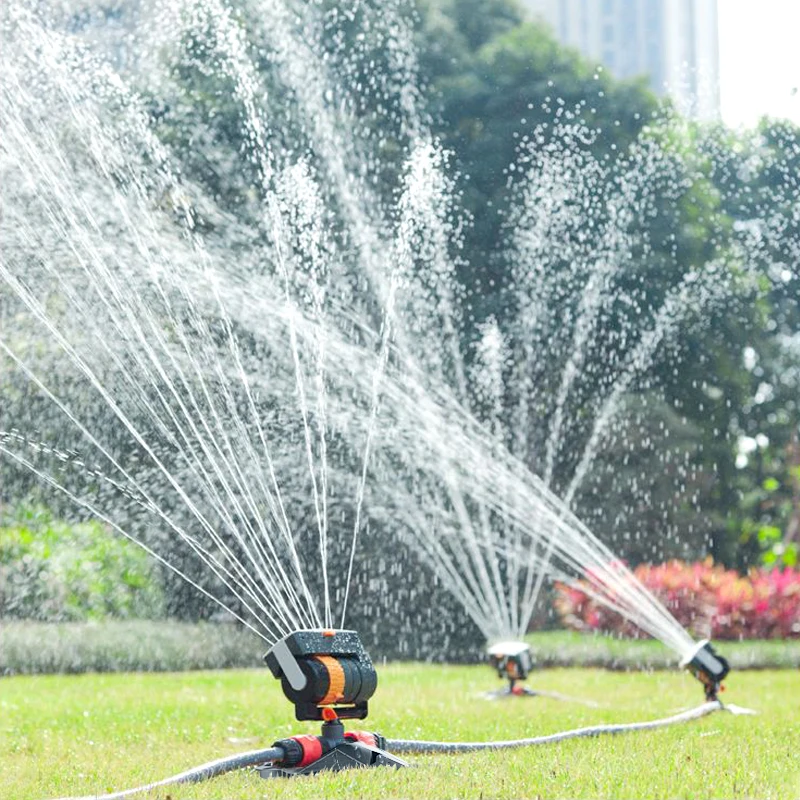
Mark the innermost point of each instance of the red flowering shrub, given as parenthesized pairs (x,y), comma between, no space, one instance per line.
(710,601)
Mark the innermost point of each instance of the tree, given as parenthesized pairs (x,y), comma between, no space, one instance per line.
(496,77)
(756,175)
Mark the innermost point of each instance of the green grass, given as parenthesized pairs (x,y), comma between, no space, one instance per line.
(63,735)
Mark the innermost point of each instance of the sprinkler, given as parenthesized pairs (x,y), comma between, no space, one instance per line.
(329,676)
(708,667)
(513,662)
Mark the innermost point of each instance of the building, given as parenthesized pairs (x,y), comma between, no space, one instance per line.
(672,42)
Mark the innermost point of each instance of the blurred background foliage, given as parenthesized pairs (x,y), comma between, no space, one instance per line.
(52,571)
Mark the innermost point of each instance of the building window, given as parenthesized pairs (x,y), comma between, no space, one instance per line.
(584,25)
(654,24)
(628,40)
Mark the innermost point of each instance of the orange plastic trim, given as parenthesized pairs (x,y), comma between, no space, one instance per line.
(336,678)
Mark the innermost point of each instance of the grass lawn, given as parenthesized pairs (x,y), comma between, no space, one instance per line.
(83,734)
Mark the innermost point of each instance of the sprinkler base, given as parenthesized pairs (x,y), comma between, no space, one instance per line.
(514,689)
(348,755)
(332,751)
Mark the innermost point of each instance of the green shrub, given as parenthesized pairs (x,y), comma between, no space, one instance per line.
(30,648)
(125,646)
(55,571)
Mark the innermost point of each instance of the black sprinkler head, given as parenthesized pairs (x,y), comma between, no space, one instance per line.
(708,667)
(513,661)
(322,670)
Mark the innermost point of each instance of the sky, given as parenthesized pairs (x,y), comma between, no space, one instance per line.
(759,59)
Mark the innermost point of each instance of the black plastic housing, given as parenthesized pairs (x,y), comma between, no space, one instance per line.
(512,660)
(708,667)
(319,668)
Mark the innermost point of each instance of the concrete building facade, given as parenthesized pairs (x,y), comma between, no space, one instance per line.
(672,42)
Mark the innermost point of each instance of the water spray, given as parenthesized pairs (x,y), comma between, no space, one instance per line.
(708,667)
(329,676)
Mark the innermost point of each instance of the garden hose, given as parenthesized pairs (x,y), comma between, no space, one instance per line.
(205,771)
(258,757)
(412,746)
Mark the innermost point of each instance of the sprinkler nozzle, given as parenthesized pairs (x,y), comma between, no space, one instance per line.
(708,667)
(513,662)
(324,670)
